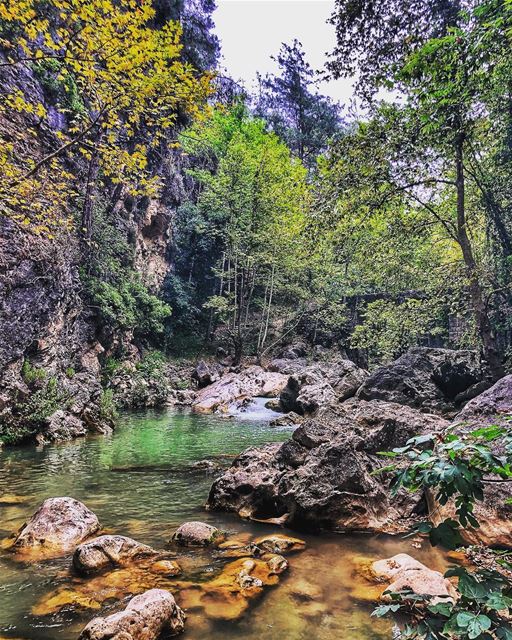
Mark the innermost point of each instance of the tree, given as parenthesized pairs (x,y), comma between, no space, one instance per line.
(130,84)
(243,229)
(375,37)
(303,118)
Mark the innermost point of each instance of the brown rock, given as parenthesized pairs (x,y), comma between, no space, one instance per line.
(197,534)
(109,551)
(57,527)
(146,616)
(252,382)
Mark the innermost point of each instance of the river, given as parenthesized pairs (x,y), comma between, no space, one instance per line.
(140,483)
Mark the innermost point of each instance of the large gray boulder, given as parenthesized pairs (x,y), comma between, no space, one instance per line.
(207,373)
(322,478)
(57,527)
(320,385)
(146,617)
(429,379)
(109,551)
(491,406)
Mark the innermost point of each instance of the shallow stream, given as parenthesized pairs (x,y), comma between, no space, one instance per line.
(141,483)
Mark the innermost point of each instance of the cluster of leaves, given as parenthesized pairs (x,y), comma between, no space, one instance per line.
(28,415)
(150,382)
(455,468)
(481,611)
(130,79)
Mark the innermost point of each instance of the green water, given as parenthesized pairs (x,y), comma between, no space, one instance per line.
(140,483)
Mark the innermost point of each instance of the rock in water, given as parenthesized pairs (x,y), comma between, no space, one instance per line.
(196,534)
(425,378)
(57,527)
(322,477)
(109,551)
(145,618)
(407,574)
(252,382)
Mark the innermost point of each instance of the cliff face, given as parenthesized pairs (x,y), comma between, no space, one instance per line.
(51,344)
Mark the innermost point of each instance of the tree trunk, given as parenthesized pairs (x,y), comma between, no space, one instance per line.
(482,322)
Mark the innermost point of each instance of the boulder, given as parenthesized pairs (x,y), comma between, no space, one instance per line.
(61,426)
(108,551)
(207,373)
(287,420)
(287,366)
(321,385)
(404,573)
(277,543)
(196,534)
(294,351)
(146,617)
(425,378)
(57,527)
(322,478)
(251,382)
(490,407)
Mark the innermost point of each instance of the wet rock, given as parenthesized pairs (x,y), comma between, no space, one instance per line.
(207,373)
(321,385)
(387,570)
(277,564)
(228,596)
(425,378)
(287,420)
(197,534)
(166,567)
(108,551)
(146,616)
(251,382)
(277,543)
(273,405)
(57,527)
(322,478)
(61,426)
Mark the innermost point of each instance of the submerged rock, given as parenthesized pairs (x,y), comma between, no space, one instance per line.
(323,476)
(277,543)
(287,420)
(252,382)
(197,534)
(109,551)
(146,616)
(426,378)
(57,527)
(407,574)
(228,596)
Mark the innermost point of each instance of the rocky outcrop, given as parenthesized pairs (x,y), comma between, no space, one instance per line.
(251,382)
(146,617)
(109,551)
(197,534)
(323,476)
(321,385)
(57,527)
(428,379)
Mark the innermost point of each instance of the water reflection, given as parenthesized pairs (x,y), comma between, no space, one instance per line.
(143,482)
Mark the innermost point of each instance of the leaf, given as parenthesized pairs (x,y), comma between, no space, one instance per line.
(478,625)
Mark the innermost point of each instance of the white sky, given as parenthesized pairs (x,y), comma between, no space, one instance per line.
(252,30)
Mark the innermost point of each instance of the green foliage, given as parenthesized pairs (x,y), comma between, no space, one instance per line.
(389,329)
(61,89)
(455,467)
(70,372)
(150,384)
(107,406)
(32,374)
(115,290)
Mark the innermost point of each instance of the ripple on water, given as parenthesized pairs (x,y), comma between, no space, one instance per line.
(141,482)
